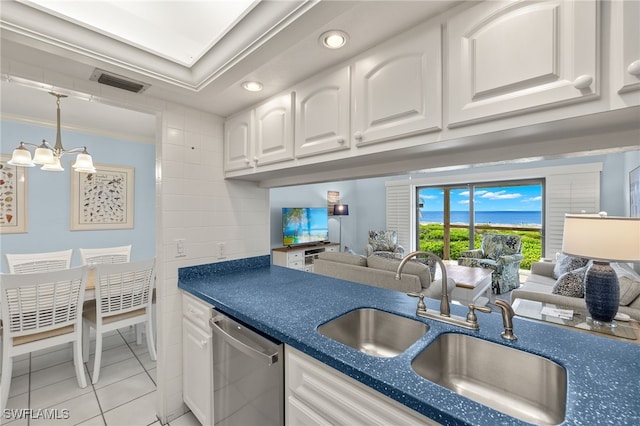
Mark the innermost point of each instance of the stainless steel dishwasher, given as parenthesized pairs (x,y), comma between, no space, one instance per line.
(248,375)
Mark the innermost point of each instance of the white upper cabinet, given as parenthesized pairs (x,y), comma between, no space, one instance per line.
(274,130)
(322,114)
(262,135)
(238,139)
(625,46)
(512,57)
(397,89)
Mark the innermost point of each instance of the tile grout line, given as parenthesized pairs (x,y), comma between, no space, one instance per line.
(138,359)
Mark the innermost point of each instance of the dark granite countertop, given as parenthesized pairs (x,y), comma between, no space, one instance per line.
(603,375)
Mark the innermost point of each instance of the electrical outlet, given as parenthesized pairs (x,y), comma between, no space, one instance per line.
(221,250)
(180,251)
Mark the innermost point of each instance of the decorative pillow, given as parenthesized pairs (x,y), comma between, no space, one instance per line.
(412,268)
(629,283)
(570,283)
(566,263)
(350,259)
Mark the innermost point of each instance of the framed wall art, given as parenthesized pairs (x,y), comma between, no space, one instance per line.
(333,198)
(13,198)
(102,200)
(634,192)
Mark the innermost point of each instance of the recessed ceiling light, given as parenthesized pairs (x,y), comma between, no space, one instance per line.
(252,86)
(334,39)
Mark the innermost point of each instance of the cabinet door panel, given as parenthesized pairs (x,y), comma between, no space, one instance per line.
(322,114)
(507,58)
(397,89)
(274,131)
(196,375)
(238,134)
(625,48)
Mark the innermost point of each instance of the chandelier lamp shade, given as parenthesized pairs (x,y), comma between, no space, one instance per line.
(49,156)
(603,239)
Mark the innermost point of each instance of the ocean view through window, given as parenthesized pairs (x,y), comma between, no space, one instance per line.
(452,219)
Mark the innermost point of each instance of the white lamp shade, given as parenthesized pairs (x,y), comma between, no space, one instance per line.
(21,157)
(602,238)
(54,166)
(43,156)
(84,164)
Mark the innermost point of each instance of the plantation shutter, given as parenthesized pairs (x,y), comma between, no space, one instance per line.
(568,193)
(399,217)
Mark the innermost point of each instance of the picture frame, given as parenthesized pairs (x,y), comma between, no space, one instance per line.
(13,198)
(104,199)
(634,192)
(333,198)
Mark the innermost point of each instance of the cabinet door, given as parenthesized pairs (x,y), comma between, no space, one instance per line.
(274,131)
(625,46)
(322,114)
(197,378)
(316,394)
(238,134)
(509,57)
(397,90)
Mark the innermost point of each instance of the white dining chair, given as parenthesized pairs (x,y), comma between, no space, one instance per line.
(39,262)
(90,256)
(41,310)
(123,298)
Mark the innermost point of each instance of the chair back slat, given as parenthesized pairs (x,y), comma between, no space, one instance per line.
(39,302)
(105,255)
(124,287)
(39,262)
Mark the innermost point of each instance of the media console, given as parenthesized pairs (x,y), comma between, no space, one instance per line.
(300,257)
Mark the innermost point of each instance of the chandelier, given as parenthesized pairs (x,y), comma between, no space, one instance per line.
(49,156)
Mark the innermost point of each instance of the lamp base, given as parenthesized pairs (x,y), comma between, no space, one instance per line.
(602,293)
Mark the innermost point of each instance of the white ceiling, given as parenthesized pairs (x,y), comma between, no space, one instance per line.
(275,42)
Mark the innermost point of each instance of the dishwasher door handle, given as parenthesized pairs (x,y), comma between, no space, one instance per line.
(247,348)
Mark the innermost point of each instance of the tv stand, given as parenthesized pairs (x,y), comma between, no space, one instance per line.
(301,257)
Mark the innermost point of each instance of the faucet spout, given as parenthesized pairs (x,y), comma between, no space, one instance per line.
(507,319)
(445,307)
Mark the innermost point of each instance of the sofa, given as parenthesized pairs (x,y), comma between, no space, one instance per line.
(539,286)
(380,271)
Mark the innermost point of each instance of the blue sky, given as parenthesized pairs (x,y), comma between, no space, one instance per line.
(495,198)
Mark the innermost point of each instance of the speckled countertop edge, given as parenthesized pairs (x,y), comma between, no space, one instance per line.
(603,375)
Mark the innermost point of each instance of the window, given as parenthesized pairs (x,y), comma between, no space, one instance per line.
(453,218)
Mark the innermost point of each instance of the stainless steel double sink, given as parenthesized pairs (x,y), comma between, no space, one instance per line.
(523,385)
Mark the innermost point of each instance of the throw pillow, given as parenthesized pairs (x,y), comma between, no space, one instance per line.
(570,283)
(566,263)
(629,283)
(412,268)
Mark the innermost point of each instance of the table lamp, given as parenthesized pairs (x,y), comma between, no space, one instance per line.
(603,239)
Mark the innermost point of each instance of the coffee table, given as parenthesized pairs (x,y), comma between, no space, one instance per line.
(532,309)
(473,285)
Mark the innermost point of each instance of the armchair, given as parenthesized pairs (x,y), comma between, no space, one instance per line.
(502,254)
(384,242)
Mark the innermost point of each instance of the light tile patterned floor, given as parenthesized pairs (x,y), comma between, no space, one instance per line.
(124,395)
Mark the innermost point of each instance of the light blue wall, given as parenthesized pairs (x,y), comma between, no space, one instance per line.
(48,197)
(367,197)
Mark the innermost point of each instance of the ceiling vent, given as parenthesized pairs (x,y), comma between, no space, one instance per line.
(118,81)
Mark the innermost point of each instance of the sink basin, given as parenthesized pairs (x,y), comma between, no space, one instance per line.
(522,385)
(374,332)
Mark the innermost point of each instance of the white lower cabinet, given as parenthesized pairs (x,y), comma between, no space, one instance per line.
(197,358)
(316,394)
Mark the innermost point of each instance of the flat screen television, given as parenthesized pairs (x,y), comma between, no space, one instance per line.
(304,225)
